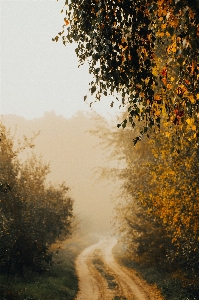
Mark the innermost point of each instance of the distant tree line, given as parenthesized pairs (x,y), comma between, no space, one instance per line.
(33,214)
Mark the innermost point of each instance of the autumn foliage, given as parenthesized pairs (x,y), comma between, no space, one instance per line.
(147,51)
(158,206)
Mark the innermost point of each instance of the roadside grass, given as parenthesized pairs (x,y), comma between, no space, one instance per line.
(58,282)
(101,268)
(170,284)
(171,288)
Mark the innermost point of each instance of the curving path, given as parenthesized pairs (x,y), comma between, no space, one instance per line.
(94,285)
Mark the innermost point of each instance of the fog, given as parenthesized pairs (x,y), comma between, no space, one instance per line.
(75,157)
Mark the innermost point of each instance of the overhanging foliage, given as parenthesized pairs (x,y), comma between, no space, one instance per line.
(145,50)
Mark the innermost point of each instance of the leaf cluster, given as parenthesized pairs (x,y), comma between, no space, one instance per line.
(145,50)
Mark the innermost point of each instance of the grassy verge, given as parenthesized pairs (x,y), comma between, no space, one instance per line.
(170,284)
(58,283)
(101,268)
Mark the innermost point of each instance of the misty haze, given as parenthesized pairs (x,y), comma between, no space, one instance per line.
(55,231)
(99,150)
(75,157)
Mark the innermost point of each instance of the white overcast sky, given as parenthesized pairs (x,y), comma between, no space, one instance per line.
(38,75)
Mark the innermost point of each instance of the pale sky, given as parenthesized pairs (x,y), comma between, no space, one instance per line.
(39,75)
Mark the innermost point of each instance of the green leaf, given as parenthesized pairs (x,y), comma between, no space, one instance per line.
(124,123)
(180,60)
(93,89)
(171,30)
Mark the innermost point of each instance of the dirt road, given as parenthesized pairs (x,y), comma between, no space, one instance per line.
(102,278)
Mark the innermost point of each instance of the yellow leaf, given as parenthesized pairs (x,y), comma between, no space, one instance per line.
(191,98)
(188,121)
(161,34)
(172,48)
(181,90)
(174,23)
(157,113)
(66,21)
(169,86)
(194,127)
(157,97)
(155,71)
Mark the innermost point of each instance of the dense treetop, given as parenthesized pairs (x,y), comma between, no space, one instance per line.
(147,51)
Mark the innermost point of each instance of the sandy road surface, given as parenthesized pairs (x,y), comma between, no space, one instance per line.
(94,285)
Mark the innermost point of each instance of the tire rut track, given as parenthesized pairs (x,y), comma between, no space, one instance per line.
(102,278)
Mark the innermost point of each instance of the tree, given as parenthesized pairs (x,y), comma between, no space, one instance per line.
(157,213)
(33,214)
(170,193)
(147,239)
(145,50)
